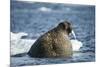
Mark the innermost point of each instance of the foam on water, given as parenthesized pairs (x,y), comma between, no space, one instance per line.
(45,9)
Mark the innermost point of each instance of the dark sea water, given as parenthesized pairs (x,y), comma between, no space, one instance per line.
(37,18)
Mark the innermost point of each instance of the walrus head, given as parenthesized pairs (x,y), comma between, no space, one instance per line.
(65,26)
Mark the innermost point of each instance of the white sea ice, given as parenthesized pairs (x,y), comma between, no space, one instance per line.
(76,45)
(19,45)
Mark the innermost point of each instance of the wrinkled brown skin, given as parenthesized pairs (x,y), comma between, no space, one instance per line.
(54,43)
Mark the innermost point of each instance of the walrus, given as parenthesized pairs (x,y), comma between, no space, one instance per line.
(54,43)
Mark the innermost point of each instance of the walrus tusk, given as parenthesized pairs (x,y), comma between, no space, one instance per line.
(73,33)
